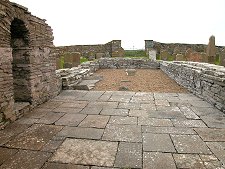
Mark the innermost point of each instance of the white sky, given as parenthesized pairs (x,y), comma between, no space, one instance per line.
(77,22)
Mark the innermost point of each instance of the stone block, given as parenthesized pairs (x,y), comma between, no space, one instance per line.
(180,57)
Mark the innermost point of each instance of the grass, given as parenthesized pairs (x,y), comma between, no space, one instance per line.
(135,54)
(217,60)
(82,60)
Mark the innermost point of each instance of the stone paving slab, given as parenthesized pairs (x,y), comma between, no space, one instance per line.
(63,166)
(70,119)
(189,144)
(166,114)
(214,121)
(35,137)
(26,159)
(91,110)
(208,134)
(81,132)
(138,113)
(154,122)
(123,120)
(115,112)
(96,121)
(127,133)
(218,148)
(86,152)
(129,155)
(158,160)
(6,153)
(188,123)
(167,130)
(157,142)
(50,118)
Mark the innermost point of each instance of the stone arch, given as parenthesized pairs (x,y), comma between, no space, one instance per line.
(21,63)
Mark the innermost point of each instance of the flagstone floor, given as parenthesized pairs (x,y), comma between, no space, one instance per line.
(105,130)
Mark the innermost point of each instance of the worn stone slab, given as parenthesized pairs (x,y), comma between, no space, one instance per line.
(11,130)
(50,118)
(52,145)
(86,152)
(81,132)
(92,96)
(63,166)
(188,113)
(188,161)
(6,153)
(70,119)
(37,113)
(154,122)
(67,110)
(120,98)
(115,112)
(25,120)
(207,111)
(209,134)
(188,123)
(197,103)
(27,159)
(50,105)
(138,113)
(104,105)
(96,121)
(157,142)
(129,155)
(148,107)
(162,103)
(168,109)
(158,160)
(167,130)
(35,137)
(129,106)
(123,120)
(218,148)
(214,121)
(166,114)
(211,162)
(92,110)
(127,133)
(142,99)
(189,144)
(94,167)
(78,105)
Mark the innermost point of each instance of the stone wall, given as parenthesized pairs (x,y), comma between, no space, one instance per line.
(110,49)
(27,65)
(204,80)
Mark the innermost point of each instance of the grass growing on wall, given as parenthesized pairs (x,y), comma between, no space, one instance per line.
(135,54)
(217,60)
(62,62)
(82,60)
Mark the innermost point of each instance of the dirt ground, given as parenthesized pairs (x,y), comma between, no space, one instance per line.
(145,80)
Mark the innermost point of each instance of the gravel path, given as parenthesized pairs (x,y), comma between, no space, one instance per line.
(145,80)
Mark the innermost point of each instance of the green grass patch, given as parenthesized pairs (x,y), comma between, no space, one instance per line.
(217,60)
(82,60)
(135,54)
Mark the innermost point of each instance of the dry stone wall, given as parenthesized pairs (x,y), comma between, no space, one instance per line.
(204,80)
(27,64)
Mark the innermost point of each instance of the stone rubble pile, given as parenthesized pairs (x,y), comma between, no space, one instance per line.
(205,80)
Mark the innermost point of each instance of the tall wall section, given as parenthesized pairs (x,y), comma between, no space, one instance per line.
(27,67)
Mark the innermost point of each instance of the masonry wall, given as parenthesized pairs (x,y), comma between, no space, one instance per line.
(27,65)
(204,80)
(110,49)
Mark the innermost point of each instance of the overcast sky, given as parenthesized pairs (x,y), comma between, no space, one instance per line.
(132,21)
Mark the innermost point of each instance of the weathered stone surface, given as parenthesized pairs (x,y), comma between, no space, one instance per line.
(129,106)
(222,58)
(164,55)
(115,112)
(180,57)
(70,119)
(6,153)
(189,144)
(63,166)
(158,160)
(214,121)
(35,137)
(188,161)
(80,132)
(91,110)
(208,134)
(50,118)
(76,104)
(127,133)
(27,159)
(129,155)
(123,120)
(188,123)
(86,152)
(167,130)
(96,121)
(138,113)
(52,145)
(118,98)
(157,142)
(154,122)
(211,49)
(165,114)
(218,148)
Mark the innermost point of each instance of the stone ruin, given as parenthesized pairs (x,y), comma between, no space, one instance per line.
(27,67)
